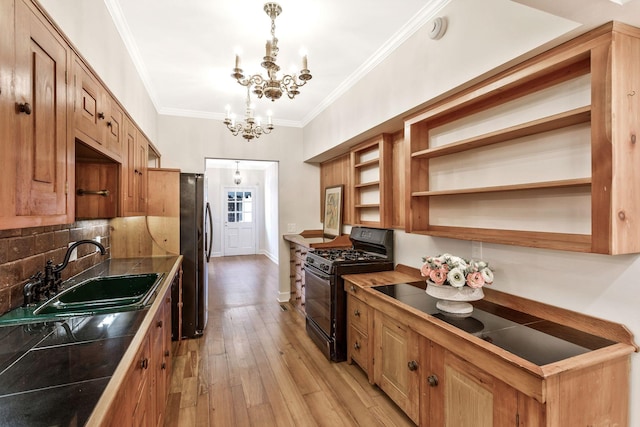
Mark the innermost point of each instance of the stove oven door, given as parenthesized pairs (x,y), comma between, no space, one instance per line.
(318,291)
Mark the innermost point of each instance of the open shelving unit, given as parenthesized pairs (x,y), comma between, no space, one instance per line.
(538,155)
(371,164)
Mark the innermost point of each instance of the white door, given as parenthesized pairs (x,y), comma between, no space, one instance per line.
(239,220)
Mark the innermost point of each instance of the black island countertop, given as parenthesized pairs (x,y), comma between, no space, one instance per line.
(53,373)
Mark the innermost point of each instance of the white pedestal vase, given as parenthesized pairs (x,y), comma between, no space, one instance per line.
(454,300)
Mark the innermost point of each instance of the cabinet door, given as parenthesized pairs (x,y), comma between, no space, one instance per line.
(458,394)
(7,114)
(129,196)
(43,150)
(114,127)
(90,109)
(396,365)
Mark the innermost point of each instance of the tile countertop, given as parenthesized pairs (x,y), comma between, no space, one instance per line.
(53,373)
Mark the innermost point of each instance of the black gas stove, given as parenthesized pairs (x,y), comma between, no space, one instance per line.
(325,298)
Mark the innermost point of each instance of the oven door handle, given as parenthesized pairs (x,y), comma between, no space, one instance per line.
(317,272)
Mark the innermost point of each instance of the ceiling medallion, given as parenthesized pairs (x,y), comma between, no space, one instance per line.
(271,87)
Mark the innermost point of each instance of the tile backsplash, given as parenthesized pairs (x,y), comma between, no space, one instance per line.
(24,252)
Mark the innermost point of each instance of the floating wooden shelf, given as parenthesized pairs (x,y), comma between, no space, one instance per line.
(566,183)
(556,121)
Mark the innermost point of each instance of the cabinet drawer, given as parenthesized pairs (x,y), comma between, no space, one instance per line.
(358,343)
(358,314)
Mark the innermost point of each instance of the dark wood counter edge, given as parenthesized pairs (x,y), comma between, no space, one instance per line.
(301,239)
(498,362)
(100,412)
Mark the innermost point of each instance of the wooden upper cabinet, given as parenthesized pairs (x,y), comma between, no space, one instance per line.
(371,180)
(538,155)
(37,156)
(134,171)
(98,117)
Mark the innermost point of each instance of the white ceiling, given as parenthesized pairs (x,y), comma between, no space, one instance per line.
(184,50)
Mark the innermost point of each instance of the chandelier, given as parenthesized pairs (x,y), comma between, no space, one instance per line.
(250,127)
(237,178)
(272,87)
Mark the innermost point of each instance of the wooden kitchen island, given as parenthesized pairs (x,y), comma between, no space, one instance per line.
(520,362)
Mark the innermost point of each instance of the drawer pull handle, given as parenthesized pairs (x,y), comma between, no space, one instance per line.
(356,312)
(413,365)
(356,345)
(432,380)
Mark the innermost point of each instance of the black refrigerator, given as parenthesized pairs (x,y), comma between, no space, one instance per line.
(195,247)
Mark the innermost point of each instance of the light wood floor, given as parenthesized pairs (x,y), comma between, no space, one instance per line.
(255,365)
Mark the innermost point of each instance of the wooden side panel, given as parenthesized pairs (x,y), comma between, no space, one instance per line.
(572,401)
(398,187)
(625,130)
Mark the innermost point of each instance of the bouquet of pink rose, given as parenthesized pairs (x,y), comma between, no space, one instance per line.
(447,269)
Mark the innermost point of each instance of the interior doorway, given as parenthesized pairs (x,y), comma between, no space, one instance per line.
(253,196)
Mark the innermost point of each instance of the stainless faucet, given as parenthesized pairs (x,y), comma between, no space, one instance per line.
(47,286)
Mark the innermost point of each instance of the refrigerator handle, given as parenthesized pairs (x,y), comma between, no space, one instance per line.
(209,244)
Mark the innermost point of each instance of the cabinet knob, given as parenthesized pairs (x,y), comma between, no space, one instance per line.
(159,324)
(356,345)
(166,353)
(356,312)
(413,365)
(101,115)
(352,288)
(163,366)
(432,380)
(24,108)
(144,363)
(109,124)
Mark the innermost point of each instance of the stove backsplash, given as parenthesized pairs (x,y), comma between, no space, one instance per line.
(25,251)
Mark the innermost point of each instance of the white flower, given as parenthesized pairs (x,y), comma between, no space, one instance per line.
(456,277)
(487,275)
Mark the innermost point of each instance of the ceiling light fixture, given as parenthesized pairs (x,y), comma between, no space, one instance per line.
(272,87)
(237,178)
(250,127)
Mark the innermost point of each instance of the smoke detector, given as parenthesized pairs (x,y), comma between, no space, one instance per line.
(438,28)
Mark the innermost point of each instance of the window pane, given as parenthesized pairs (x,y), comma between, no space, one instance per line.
(247,217)
(231,207)
(231,217)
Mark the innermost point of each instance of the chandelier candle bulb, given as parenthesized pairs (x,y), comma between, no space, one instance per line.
(304,62)
(237,61)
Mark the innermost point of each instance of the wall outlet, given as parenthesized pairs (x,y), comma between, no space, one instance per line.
(476,251)
(74,253)
(291,227)
(99,240)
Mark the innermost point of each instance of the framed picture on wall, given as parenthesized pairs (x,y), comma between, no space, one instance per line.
(333,211)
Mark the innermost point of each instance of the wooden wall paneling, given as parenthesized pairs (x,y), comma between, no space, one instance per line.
(335,172)
(92,177)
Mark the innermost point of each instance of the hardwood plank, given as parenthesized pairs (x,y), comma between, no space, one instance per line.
(256,366)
